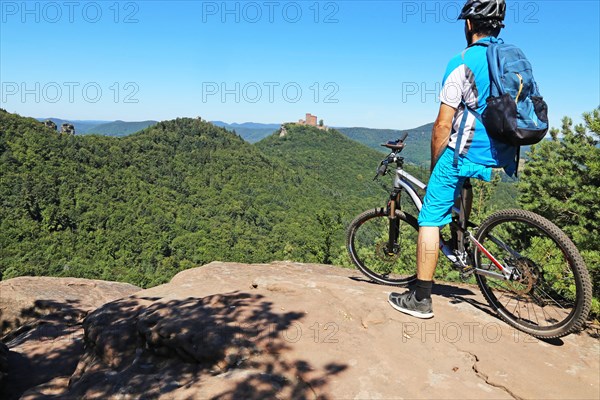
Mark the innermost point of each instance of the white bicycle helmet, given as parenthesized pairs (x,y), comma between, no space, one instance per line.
(484,9)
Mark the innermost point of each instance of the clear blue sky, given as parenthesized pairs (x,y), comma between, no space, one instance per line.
(356,63)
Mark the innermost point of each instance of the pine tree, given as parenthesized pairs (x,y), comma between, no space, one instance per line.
(562,182)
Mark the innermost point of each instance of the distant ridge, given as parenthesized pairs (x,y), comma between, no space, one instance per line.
(120,128)
(107,128)
(251,132)
(81,126)
(248,125)
(419,137)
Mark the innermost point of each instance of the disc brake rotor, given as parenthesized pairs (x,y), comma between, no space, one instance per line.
(529,276)
(383,254)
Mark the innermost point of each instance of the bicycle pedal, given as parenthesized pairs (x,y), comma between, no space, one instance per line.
(466,272)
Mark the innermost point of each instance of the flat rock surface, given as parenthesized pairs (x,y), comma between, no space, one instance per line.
(287,330)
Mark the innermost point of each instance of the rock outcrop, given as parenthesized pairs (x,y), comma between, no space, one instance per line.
(28,299)
(42,322)
(287,330)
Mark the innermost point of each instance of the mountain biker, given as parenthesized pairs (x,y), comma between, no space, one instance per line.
(466,81)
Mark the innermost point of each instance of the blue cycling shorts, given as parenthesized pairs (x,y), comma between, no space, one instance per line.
(445,185)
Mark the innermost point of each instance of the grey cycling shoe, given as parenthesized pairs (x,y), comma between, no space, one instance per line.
(408,304)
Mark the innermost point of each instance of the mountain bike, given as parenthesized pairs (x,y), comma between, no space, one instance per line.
(528,270)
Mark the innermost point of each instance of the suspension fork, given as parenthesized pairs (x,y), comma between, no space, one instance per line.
(394,227)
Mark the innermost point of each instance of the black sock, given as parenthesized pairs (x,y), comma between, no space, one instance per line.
(423,289)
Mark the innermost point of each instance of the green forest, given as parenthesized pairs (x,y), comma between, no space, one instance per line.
(183,193)
(419,141)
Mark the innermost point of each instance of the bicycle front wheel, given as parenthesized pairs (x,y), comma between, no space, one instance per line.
(550,293)
(370,249)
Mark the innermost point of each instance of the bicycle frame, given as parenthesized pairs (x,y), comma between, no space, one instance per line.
(405,181)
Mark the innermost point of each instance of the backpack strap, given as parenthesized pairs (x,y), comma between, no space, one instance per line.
(468,109)
(492,59)
(517,159)
(475,113)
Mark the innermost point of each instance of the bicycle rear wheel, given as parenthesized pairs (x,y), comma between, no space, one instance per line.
(551,297)
(367,242)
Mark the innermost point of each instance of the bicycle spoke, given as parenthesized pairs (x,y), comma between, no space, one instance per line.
(516,308)
(536,317)
(550,297)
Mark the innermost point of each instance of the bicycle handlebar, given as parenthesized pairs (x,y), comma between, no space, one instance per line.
(396,146)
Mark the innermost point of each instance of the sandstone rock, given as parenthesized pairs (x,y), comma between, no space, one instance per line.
(27,299)
(46,340)
(47,351)
(287,330)
(49,390)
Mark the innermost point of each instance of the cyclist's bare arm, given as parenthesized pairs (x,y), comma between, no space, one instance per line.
(441,132)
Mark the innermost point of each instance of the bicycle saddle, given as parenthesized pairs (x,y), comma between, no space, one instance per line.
(393,145)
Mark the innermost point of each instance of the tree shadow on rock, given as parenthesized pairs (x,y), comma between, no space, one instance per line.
(68,311)
(220,346)
(457,294)
(47,343)
(49,312)
(46,351)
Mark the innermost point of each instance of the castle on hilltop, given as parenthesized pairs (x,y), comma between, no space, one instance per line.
(310,120)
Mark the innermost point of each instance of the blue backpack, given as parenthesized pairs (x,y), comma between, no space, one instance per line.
(516,113)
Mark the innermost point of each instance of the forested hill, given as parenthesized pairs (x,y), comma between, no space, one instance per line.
(177,194)
(341,164)
(345,169)
(418,141)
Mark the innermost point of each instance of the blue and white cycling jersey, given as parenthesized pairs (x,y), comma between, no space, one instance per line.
(467,79)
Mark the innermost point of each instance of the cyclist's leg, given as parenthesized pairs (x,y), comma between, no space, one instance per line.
(435,213)
(464,196)
(443,187)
